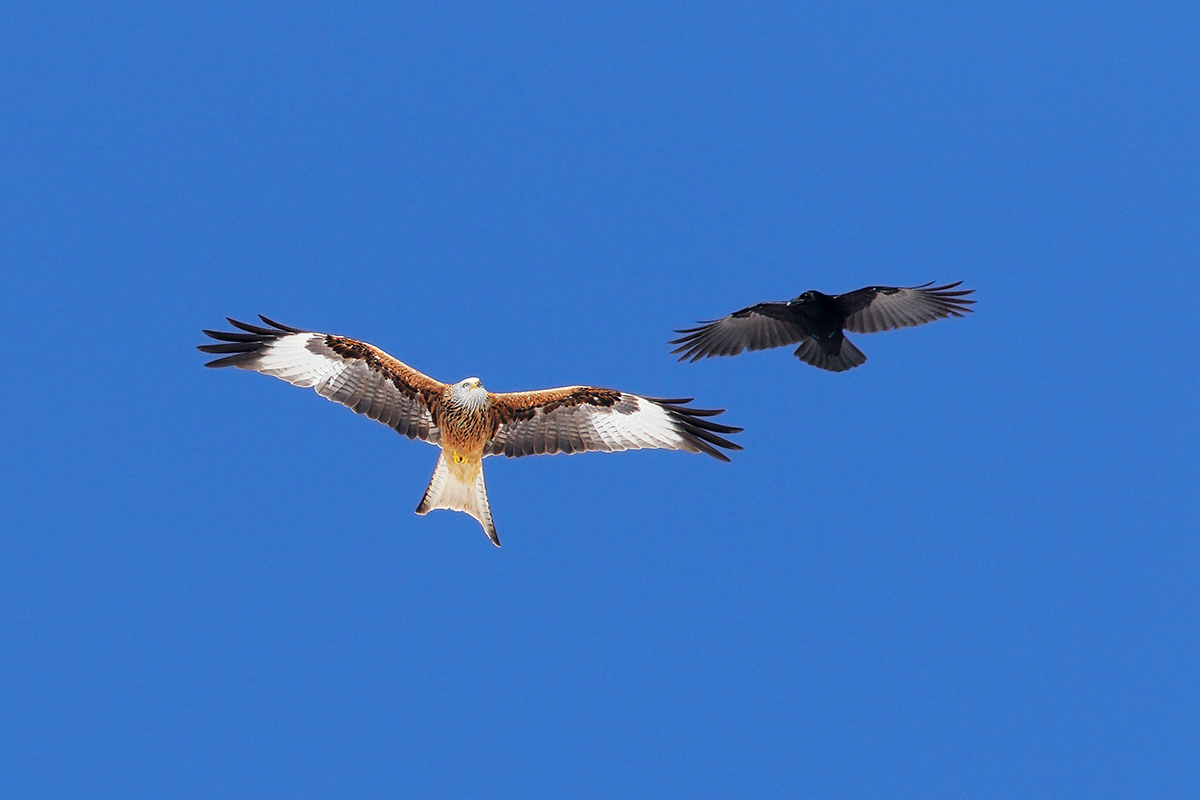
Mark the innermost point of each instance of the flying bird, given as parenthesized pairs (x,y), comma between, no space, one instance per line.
(465,420)
(817,320)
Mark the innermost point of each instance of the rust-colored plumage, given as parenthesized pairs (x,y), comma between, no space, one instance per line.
(465,420)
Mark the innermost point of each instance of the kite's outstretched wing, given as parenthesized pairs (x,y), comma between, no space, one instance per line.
(576,419)
(758,327)
(358,375)
(882,308)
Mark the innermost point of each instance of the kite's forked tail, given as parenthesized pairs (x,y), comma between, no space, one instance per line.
(448,490)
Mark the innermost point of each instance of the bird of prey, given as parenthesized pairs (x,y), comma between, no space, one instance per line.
(465,420)
(817,320)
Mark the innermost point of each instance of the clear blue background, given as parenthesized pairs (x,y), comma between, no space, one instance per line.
(966,569)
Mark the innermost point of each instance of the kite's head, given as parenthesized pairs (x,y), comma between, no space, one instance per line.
(469,392)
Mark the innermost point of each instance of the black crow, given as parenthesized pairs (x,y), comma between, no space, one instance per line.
(816,321)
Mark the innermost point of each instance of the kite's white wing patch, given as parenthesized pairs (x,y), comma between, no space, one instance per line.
(306,359)
(630,423)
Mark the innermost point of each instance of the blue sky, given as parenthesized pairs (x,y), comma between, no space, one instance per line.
(966,569)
